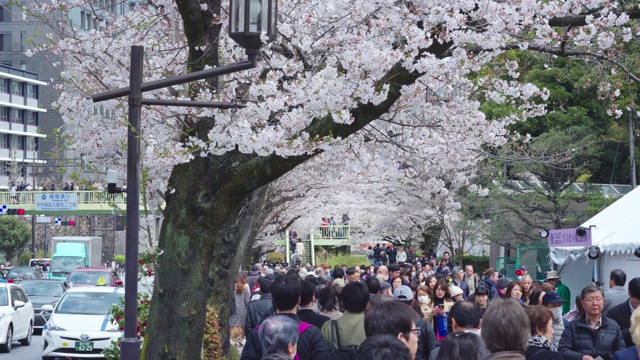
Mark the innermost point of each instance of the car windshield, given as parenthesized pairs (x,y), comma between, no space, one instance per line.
(4,299)
(87,303)
(37,288)
(65,264)
(90,277)
(20,272)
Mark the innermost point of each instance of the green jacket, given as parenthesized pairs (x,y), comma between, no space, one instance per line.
(565,294)
(350,329)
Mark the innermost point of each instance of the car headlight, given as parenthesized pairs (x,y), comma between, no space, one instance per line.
(52,327)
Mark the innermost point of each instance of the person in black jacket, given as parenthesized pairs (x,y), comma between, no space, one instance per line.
(592,334)
(261,308)
(541,345)
(285,292)
(305,311)
(621,314)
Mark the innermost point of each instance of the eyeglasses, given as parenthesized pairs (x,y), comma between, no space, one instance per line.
(593,300)
(418,331)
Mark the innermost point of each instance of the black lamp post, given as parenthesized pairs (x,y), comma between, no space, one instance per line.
(248,21)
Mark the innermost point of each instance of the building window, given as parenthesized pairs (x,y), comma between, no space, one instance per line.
(4,87)
(31,144)
(16,88)
(5,13)
(83,24)
(4,141)
(23,64)
(17,116)
(16,142)
(3,114)
(5,42)
(32,118)
(32,91)
(23,41)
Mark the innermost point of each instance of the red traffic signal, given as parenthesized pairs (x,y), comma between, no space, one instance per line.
(68,223)
(15,211)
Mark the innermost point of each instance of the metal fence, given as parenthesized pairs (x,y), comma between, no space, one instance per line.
(535,256)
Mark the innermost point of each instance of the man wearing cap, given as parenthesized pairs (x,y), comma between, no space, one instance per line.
(553,302)
(385,291)
(253,277)
(446,275)
(523,272)
(554,279)
(426,338)
(503,284)
(456,293)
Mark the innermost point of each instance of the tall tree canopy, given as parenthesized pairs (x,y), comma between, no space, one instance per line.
(370,85)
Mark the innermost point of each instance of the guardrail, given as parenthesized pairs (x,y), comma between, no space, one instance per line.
(88,202)
(84,197)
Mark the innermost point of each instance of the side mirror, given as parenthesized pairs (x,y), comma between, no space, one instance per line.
(18,304)
(47,307)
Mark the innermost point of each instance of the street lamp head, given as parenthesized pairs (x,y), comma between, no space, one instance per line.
(249,19)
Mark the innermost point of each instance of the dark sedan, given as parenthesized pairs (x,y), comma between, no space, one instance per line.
(42,292)
(17,274)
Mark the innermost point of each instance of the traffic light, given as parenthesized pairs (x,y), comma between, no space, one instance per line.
(121,222)
(15,211)
(68,223)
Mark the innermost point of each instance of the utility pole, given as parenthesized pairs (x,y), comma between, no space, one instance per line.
(632,150)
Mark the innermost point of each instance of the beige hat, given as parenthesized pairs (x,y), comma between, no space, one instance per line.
(455,291)
(552,275)
(338,282)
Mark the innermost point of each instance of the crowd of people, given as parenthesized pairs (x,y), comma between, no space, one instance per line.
(413,310)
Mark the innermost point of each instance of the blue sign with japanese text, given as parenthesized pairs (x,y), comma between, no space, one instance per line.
(57,201)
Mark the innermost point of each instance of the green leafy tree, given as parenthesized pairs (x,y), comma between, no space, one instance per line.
(534,185)
(14,235)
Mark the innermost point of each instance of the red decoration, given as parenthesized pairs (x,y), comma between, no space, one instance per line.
(518,272)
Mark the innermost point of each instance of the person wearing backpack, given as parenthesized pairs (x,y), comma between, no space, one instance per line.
(344,335)
(285,293)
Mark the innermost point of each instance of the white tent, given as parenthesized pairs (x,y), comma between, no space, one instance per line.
(614,232)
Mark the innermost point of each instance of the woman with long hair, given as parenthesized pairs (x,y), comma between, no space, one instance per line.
(328,303)
(241,298)
(425,299)
(395,283)
(431,282)
(515,291)
(441,305)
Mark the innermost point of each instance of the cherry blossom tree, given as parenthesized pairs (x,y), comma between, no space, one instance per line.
(344,81)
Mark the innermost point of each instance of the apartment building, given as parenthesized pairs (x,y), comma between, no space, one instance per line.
(20,113)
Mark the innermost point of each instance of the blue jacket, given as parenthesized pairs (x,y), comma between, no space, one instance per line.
(578,339)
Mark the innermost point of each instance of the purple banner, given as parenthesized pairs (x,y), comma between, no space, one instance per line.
(568,237)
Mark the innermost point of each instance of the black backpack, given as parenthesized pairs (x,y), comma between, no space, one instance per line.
(342,352)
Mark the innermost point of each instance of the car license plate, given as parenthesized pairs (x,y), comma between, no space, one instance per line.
(84,346)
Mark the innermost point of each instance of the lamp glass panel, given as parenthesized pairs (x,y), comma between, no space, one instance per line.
(272,12)
(255,16)
(237,15)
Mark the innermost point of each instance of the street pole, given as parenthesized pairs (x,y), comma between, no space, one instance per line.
(130,346)
(632,151)
(33,236)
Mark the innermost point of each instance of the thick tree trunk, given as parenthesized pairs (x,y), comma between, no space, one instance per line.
(202,227)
